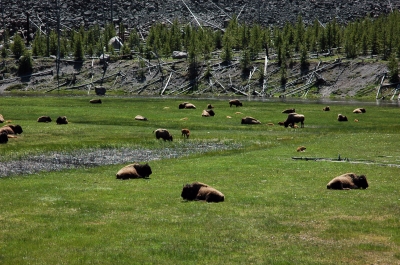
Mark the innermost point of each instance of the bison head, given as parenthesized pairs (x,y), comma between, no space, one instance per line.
(143,170)
(361,182)
(16,128)
(189,192)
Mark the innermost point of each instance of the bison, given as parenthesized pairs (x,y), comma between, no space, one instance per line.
(140,118)
(44,119)
(359,110)
(3,138)
(301,149)
(235,102)
(11,129)
(208,113)
(289,111)
(185,133)
(348,181)
(341,117)
(294,118)
(134,171)
(201,192)
(209,106)
(327,108)
(250,120)
(1,118)
(62,120)
(164,134)
(186,105)
(95,101)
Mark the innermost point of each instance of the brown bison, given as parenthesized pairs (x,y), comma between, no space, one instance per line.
(186,105)
(294,118)
(359,110)
(327,108)
(3,138)
(235,102)
(341,117)
(209,106)
(44,119)
(11,129)
(250,120)
(164,134)
(348,181)
(289,111)
(185,133)
(1,118)
(301,149)
(201,192)
(208,113)
(95,101)
(134,171)
(62,120)
(140,118)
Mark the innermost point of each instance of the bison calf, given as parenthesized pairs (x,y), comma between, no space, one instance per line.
(185,133)
(163,134)
(134,171)
(201,192)
(348,181)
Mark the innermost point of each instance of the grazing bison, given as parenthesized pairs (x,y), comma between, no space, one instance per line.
(250,120)
(294,118)
(209,106)
(327,108)
(11,129)
(3,138)
(341,117)
(62,120)
(186,105)
(95,101)
(164,134)
(359,110)
(235,102)
(140,118)
(185,132)
(208,113)
(201,192)
(134,171)
(348,181)
(1,118)
(289,111)
(301,149)
(44,119)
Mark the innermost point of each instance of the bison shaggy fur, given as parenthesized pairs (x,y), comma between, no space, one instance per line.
(62,120)
(250,120)
(134,171)
(201,192)
(294,118)
(3,138)
(348,181)
(342,117)
(44,119)
(163,134)
(11,129)
(235,102)
(289,111)
(185,133)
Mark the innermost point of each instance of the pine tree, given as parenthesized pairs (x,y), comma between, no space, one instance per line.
(393,66)
(18,47)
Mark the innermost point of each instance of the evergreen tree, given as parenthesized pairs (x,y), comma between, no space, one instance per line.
(18,47)
(78,48)
(393,66)
(245,61)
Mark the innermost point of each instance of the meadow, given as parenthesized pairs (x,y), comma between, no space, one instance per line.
(277,209)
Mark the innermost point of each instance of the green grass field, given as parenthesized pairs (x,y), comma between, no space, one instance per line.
(277,210)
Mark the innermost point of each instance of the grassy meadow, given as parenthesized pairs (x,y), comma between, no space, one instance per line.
(277,210)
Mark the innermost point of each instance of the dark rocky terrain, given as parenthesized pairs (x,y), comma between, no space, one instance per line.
(213,13)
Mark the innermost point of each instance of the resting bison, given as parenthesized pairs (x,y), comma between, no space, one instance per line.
(348,181)
(44,119)
(359,110)
(185,132)
(235,102)
(186,105)
(294,118)
(62,120)
(289,111)
(11,129)
(164,134)
(301,149)
(1,118)
(201,192)
(209,106)
(95,101)
(208,113)
(134,171)
(3,138)
(250,120)
(341,117)
(140,118)
(327,108)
